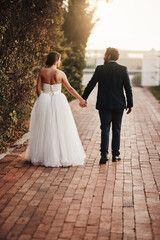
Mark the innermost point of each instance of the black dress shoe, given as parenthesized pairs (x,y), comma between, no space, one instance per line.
(115,158)
(103,160)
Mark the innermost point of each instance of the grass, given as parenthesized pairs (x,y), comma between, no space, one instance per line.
(155,91)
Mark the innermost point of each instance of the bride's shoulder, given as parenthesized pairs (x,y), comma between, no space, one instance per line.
(43,70)
(61,72)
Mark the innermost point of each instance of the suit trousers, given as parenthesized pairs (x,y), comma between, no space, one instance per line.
(107,117)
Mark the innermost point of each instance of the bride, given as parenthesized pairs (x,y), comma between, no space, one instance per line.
(54,140)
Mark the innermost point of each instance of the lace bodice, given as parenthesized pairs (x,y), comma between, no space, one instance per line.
(51,89)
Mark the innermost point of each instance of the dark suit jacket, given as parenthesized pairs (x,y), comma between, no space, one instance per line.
(112,80)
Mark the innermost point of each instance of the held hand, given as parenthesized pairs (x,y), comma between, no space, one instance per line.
(83,103)
(129,110)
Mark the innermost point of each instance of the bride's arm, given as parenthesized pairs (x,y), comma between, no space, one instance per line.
(72,90)
(39,84)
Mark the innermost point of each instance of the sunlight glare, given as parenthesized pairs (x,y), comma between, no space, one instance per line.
(126,24)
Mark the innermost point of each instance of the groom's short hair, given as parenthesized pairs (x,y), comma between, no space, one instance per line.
(113,52)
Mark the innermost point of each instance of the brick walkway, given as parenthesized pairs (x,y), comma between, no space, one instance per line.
(113,201)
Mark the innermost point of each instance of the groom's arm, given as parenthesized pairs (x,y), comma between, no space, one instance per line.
(128,89)
(90,85)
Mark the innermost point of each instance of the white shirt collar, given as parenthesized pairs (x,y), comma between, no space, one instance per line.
(111,61)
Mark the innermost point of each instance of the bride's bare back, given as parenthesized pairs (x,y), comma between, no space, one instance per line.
(51,76)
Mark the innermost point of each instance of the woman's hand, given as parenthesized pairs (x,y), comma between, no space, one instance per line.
(83,103)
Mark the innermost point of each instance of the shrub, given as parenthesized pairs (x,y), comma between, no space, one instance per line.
(29,29)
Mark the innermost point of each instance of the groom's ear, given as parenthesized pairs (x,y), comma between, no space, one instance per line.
(109,57)
(105,58)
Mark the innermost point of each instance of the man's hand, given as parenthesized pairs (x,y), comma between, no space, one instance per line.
(83,103)
(129,110)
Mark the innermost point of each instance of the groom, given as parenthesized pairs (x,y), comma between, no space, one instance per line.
(112,80)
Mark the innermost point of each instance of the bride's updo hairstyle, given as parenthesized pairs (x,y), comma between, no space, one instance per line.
(52,58)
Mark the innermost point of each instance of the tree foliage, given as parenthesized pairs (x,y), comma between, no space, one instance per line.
(77,28)
(29,29)
(78,22)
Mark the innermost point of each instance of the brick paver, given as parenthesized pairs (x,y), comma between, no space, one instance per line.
(112,201)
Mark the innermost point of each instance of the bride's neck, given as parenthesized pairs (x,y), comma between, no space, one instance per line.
(54,66)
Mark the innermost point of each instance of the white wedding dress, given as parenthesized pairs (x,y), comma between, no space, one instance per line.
(54,140)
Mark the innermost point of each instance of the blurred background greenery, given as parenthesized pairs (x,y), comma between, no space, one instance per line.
(29,30)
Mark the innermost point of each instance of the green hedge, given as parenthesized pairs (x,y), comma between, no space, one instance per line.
(29,30)
(155,91)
